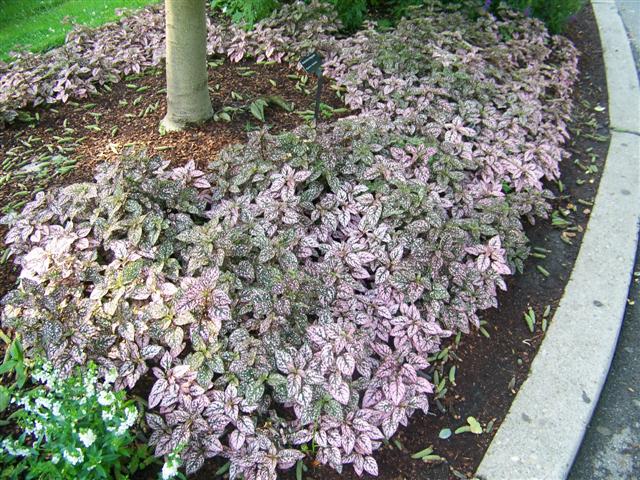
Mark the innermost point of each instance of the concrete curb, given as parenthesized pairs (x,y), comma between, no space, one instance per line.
(543,430)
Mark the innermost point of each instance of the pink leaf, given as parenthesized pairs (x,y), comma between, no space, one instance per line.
(371,466)
(157,391)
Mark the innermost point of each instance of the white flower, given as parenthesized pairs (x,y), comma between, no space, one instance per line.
(87,437)
(131,417)
(170,467)
(45,375)
(43,402)
(89,376)
(15,448)
(90,385)
(55,458)
(106,398)
(38,428)
(55,408)
(111,376)
(26,404)
(90,390)
(74,456)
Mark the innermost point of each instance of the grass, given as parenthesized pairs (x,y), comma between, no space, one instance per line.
(38,25)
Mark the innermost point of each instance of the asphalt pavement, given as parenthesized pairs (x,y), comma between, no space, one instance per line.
(611,446)
(630,13)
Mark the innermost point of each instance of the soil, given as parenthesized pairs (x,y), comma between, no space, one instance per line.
(490,365)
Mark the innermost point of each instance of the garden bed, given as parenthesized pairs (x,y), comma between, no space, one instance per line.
(489,371)
(477,388)
(127,117)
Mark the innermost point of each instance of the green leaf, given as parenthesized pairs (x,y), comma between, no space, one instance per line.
(432,458)
(21,375)
(135,234)
(224,116)
(7,366)
(132,271)
(445,433)
(16,350)
(266,254)
(223,469)
(474,425)
(174,337)
(5,397)
(276,379)
(463,429)
(299,466)
(530,318)
(422,453)
(281,102)
(257,109)
(254,392)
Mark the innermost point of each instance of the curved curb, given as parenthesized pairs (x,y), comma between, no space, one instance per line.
(543,430)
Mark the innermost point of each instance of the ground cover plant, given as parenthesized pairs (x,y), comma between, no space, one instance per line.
(286,297)
(38,25)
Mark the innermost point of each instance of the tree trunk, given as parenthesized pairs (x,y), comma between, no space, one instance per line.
(187,93)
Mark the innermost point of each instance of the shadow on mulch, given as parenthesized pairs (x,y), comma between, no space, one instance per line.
(489,370)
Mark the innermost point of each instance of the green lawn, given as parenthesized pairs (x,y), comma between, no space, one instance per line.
(38,25)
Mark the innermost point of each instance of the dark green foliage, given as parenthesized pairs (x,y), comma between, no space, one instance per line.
(554,13)
(387,12)
(246,11)
(351,12)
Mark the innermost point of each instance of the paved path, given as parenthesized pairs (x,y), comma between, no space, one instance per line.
(611,447)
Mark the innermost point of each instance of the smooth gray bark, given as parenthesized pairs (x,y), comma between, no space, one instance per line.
(188,99)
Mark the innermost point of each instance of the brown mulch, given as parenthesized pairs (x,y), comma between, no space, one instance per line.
(489,370)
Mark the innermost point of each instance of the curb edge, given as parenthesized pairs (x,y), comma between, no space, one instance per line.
(544,427)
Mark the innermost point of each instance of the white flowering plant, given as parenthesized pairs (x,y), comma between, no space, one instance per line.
(76,427)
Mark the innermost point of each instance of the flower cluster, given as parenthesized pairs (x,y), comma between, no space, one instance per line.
(76,427)
(292,290)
